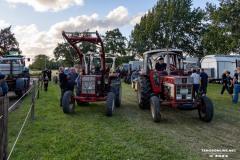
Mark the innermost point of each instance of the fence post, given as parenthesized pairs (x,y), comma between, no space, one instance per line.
(33,99)
(38,89)
(4,104)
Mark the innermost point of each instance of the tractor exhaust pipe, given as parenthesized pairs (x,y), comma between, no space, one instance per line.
(168,63)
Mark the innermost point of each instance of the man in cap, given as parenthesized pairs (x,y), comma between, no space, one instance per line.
(160,66)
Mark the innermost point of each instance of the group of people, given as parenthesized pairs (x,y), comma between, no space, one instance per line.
(200,82)
(69,80)
(231,83)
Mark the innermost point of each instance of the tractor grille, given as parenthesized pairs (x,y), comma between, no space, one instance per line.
(184,92)
(88,85)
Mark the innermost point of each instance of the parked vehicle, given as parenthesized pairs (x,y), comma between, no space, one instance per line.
(93,87)
(169,87)
(214,65)
(18,79)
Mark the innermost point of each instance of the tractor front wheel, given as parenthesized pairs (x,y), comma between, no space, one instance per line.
(116,88)
(205,111)
(68,103)
(155,109)
(110,104)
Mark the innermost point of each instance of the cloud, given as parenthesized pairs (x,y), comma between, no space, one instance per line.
(48,5)
(118,16)
(136,19)
(3,24)
(32,41)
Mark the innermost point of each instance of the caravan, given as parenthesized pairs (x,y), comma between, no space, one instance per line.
(214,65)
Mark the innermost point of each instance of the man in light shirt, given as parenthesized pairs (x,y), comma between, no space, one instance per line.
(195,76)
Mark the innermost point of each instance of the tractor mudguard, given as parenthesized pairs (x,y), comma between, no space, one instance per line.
(21,83)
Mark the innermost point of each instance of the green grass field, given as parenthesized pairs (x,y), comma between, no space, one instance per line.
(129,134)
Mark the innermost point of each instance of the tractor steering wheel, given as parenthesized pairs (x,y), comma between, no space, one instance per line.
(173,67)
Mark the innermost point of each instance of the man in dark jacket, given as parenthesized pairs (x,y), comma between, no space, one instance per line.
(45,74)
(160,66)
(203,81)
(224,82)
(63,83)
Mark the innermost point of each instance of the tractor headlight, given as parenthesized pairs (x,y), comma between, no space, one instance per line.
(178,96)
(189,96)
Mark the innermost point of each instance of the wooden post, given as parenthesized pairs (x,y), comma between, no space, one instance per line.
(4,104)
(33,99)
(38,89)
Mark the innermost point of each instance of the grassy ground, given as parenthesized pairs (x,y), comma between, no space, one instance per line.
(129,134)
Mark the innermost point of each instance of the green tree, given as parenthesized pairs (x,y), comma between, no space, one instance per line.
(223,30)
(65,52)
(8,42)
(169,24)
(40,62)
(115,42)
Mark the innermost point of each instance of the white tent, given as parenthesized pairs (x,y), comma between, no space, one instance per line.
(215,64)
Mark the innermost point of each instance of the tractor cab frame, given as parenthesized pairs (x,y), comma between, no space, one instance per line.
(93,59)
(92,87)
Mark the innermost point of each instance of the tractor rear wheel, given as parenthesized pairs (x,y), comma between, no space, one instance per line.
(116,88)
(144,92)
(155,109)
(68,103)
(205,111)
(110,104)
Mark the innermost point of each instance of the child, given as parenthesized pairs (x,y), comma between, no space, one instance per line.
(229,84)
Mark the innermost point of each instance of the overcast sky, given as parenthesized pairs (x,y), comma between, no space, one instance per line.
(37,24)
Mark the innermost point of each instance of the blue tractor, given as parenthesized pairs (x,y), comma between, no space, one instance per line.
(18,77)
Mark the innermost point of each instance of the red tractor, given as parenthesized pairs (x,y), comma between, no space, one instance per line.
(102,86)
(169,87)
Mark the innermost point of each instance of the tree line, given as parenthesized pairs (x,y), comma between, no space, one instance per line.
(169,24)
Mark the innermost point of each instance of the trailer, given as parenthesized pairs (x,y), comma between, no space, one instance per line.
(214,65)
(136,65)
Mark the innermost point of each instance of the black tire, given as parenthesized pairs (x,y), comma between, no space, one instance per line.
(110,104)
(144,92)
(68,103)
(206,111)
(116,88)
(155,109)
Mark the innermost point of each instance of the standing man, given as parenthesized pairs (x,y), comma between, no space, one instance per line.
(45,74)
(63,83)
(195,76)
(224,82)
(72,77)
(236,81)
(50,74)
(203,81)
(3,84)
(160,66)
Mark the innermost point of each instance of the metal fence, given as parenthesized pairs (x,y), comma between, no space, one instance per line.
(5,109)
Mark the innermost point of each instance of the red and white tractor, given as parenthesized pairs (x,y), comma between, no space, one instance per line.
(92,87)
(169,87)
